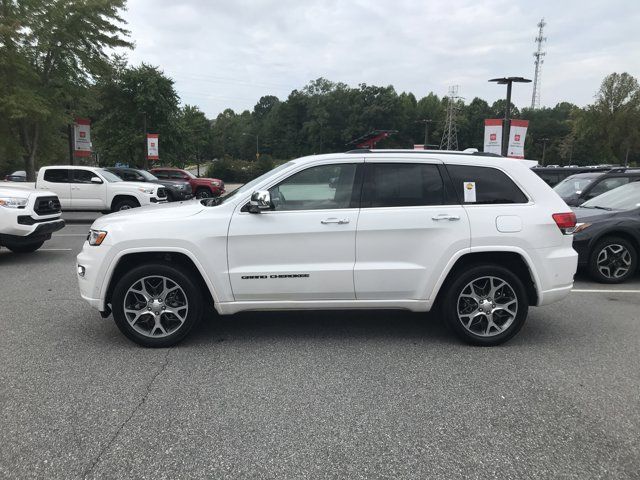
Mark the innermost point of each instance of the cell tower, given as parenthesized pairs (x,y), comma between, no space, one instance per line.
(450,135)
(538,54)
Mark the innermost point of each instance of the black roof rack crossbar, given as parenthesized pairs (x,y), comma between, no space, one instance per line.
(426,152)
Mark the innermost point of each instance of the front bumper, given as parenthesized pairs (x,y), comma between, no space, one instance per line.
(40,231)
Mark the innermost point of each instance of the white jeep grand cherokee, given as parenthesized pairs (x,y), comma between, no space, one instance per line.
(482,237)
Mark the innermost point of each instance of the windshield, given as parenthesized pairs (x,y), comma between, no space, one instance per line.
(189,174)
(245,188)
(626,197)
(572,186)
(109,177)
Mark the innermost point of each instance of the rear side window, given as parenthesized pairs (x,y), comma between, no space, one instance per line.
(402,185)
(56,175)
(160,173)
(491,185)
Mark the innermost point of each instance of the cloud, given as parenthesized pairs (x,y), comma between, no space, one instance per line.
(228,54)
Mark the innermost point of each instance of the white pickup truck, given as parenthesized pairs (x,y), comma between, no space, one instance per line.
(27,218)
(96,189)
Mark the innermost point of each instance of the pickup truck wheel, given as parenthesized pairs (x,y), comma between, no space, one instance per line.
(125,204)
(156,305)
(486,305)
(24,247)
(203,193)
(613,260)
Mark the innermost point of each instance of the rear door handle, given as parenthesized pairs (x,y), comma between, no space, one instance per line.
(444,216)
(340,221)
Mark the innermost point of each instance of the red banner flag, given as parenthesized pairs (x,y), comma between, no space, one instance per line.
(152,146)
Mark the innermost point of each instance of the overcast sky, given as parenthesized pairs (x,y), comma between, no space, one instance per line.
(227,54)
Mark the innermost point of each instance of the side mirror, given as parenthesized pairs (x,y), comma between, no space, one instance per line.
(260,200)
(96,180)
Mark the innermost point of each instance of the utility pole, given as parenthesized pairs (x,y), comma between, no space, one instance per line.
(538,54)
(544,148)
(450,135)
(508,81)
(426,122)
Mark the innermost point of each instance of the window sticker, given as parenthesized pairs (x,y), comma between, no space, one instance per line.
(469,192)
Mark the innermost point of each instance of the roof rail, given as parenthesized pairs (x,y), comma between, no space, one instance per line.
(469,151)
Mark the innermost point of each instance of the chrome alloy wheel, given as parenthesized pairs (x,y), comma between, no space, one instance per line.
(155,306)
(487,306)
(614,261)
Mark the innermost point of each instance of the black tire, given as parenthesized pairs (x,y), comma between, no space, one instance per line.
(203,193)
(125,204)
(24,247)
(176,275)
(470,335)
(613,243)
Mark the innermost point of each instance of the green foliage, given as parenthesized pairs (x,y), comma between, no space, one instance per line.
(51,51)
(240,171)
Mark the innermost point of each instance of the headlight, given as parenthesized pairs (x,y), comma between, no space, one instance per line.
(216,183)
(581,226)
(148,190)
(13,202)
(96,237)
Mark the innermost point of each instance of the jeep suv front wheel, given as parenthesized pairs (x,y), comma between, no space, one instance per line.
(486,305)
(156,305)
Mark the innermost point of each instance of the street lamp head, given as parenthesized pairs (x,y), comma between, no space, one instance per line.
(507,80)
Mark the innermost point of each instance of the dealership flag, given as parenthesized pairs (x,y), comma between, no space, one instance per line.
(493,136)
(152,146)
(517,132)
(82,137)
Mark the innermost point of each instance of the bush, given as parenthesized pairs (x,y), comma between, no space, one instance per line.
(239,171)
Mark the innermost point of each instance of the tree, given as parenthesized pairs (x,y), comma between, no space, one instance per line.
(51,50)
(132,102)
(195,134)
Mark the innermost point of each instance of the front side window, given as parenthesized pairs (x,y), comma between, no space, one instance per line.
(316,188)
(83,176)
(490,185)
(56,175)
(402,185)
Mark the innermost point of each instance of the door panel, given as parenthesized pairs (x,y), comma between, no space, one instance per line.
(57,180)
(304,249)
(86,195)
(402,249)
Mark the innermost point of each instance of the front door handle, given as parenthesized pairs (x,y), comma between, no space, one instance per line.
(444,216)
(340,221)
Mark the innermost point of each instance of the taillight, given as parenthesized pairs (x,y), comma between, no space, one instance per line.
(566,222)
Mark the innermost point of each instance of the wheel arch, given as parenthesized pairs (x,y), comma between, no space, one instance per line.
(515,261)
(129,260)
(122,196)
(616,232)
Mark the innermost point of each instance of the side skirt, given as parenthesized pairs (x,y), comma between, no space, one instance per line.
(228,308)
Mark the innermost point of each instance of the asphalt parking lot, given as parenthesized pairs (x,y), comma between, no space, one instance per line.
(312,395)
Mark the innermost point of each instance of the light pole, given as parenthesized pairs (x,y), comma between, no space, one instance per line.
(257,144)
(508,81)
(544,147)
(426,122)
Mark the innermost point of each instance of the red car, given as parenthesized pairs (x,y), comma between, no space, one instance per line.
(201,187)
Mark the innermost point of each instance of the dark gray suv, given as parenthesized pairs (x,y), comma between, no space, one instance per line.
(176,191)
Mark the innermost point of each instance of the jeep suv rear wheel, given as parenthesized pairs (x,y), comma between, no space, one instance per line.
(486,305)
(156,305)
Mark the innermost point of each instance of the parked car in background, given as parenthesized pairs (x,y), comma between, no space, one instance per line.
(27,218)
(577,189)
(201,187)
(554,174)
(481,237)
(176,190)
(96,189)
(607,235)
(17,176)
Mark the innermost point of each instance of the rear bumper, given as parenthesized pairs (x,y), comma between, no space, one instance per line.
(555,268)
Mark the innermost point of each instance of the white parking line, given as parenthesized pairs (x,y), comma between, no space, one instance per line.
(601,290)
(70,235)
(55,250)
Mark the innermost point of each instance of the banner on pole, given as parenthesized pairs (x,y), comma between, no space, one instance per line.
(517,133)
(152,146)
(417,146)
(82,137)
(493,136)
